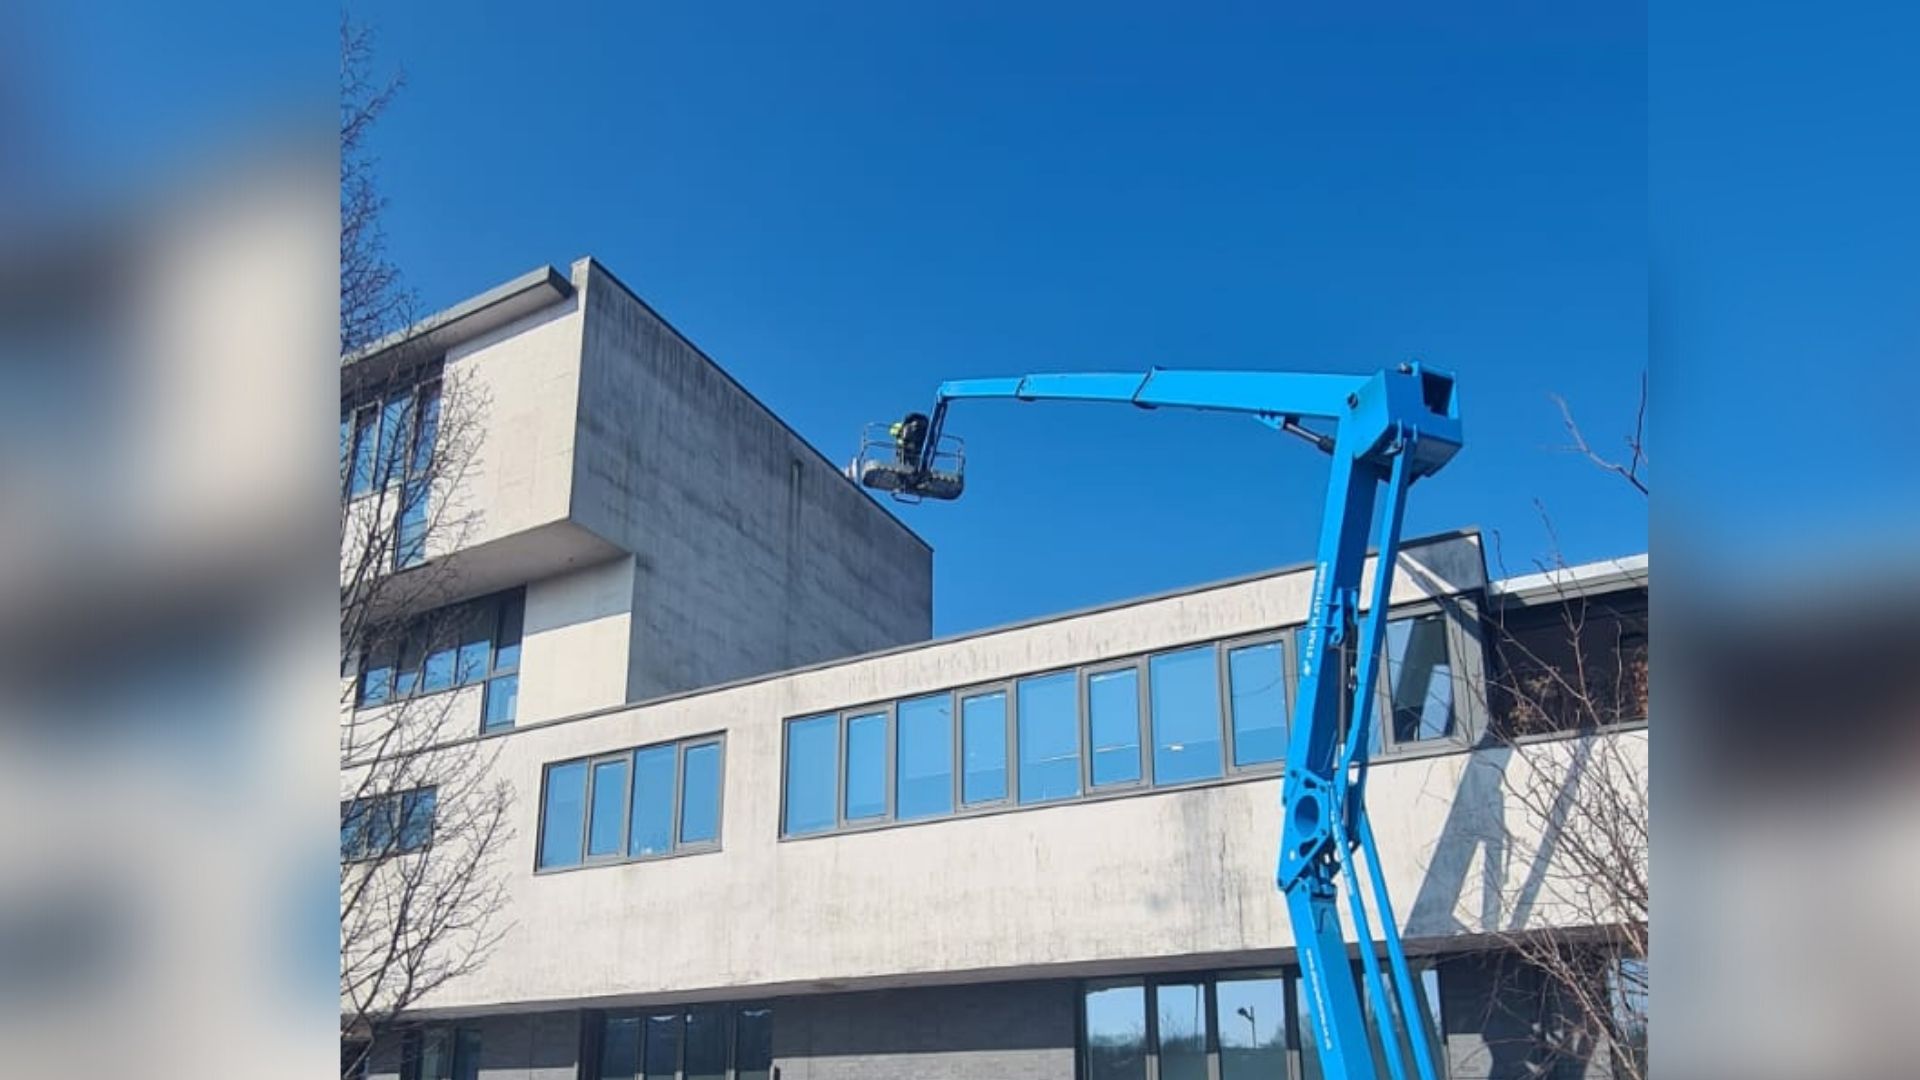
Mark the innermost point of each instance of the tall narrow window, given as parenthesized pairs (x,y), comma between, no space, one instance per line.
(1256,677)
(1185,690)
(1420,678)
(1181,1014)
(366,443)
(1113,718)
(620,1048)
(925,765)
(983,744)
(753,1044)
(563,820)
(866,767)
(700,794)
(651,831)
(661,1054)
(706,1039)
(1251,1024)
(606,832)
(395,414)
(812,773)
(416,818)
(1115,1023)
(1049,735)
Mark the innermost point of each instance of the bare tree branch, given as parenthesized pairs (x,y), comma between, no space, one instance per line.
(1636,443)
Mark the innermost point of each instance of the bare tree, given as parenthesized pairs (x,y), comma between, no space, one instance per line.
(423,815)
(1567,674)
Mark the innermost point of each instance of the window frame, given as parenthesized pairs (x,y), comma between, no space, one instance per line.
(596,1021)
(1289,643)
(1209,979)
(676,848)
(1464,656)
(1466,719)
(394,645)
(1009,757)
(1142,724)
(393,806)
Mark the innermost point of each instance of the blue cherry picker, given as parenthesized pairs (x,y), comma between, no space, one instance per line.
(1388,430)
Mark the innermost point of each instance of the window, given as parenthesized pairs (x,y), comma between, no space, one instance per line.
(1419,679)
(1256,681)
(1180,1012)
(705,1042)
(705,1049)
(983,745)
(1116,1032)
(866,767)
(700,794)
(1569,664)
(925,766)
(563,817)
(1250,1016)
(1429,980)
(391,438)
(660,1053)
(753,1045)
(385,825)
(636,804)
(1048,711)
(1228,1025)
(1185,691)
(440,1053)
(468,644)
(607,821)
(1185,715)
(650,830)
(1113,720)
(812,776)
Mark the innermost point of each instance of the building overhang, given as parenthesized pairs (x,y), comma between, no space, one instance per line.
(463,322)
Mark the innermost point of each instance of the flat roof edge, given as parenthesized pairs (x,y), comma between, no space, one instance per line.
(474,316)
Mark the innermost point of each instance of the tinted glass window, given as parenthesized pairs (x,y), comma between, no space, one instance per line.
(1186,715)
(706,1054)
(416,818)
(620,1048)
(812,749)
(1251,1024)
(700,794)
(1049,737)
(866,766)
(564,816)
(753,1045)
(502,700)
(506,641)
(366,441)
(1116,1033)
(606,829)
(661,1052)
(983,738)
(1181,1011)
(1256,677)
(651,832)
(1113,708)
(925,765)
(1420,676)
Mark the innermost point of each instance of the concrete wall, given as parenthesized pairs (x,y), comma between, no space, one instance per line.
(753,553)
(1006,1031)
(1170,877)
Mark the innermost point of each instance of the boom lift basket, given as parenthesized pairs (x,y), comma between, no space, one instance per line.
(881,466)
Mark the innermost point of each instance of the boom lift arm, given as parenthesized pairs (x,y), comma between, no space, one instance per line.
(1389,429)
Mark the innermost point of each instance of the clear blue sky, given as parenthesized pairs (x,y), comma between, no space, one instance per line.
(846,203)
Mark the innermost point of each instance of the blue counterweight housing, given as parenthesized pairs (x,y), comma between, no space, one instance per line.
(1388,430)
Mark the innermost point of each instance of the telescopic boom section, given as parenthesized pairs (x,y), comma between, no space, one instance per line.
(1387,430)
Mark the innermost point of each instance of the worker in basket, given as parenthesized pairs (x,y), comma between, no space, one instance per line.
(909,434)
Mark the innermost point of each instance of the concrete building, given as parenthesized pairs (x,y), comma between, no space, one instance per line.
(801,840)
